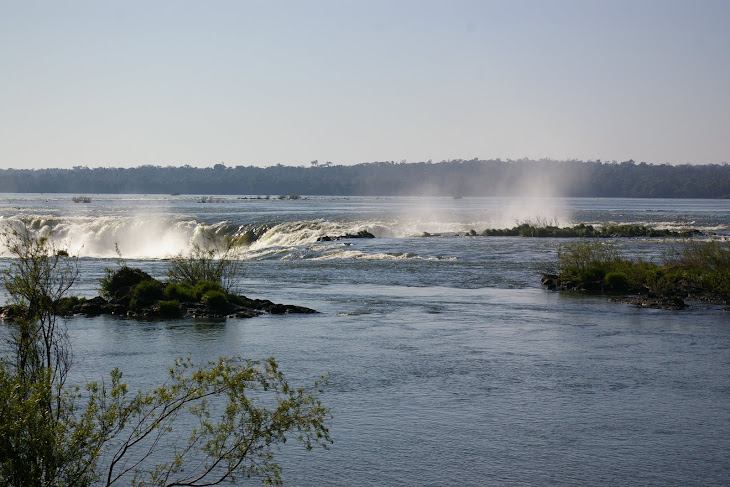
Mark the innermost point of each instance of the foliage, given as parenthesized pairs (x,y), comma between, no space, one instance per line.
(588,260)
(120,281)
(216,300)
(148,290)
(48,440)
(547,230)
(36,280)
(242,410)
(705,264)
(202,287)
(699,269)
(52,435)
(474,177)
(214,261)
(181,291)
(618,281)
(169,307)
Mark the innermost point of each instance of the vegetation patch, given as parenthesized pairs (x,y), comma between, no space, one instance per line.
(180,291)
(700,270)
(148,290)
(120,282)
(214,261)
(585,231)
(215,299)
(169,308)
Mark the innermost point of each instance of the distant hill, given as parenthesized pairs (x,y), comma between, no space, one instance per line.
(447,178)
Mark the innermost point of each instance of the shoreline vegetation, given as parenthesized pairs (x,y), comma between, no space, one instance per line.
(453,178)
(541,230)
(699,271)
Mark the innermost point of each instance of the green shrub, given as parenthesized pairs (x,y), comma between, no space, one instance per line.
(618,281)
(705,265)
(588,260)
(215,299)
(181,291)
(216,260)
(116,281)
(133,303)
(148,290)
(700,269)
(202,287)
(169,308)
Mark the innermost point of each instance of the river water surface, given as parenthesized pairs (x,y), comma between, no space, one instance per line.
(448,363)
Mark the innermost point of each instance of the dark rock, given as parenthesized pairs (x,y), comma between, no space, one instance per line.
(360,234)
(237,307)
(592,287)
(550,281)
(285,309)
(116,309)
(92,307)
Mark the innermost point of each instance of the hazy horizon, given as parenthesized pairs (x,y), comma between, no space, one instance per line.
(320,164)
(125,84)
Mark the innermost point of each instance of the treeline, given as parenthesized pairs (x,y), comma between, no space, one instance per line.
(447,178)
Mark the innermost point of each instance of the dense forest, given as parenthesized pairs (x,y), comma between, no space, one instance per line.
(447,178)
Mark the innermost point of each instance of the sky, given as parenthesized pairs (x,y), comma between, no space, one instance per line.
(127,83)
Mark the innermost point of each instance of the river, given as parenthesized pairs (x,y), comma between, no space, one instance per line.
(449,364)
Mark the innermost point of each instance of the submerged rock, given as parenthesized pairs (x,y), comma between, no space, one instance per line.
(673,303)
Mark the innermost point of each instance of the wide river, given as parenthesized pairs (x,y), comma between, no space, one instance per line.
(448,363)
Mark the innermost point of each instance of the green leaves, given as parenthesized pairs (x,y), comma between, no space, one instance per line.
(214,261)
(241,409)
(202,426)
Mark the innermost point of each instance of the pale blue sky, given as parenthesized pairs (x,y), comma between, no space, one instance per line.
(126,83)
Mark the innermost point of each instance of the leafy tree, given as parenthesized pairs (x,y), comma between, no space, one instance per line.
(53,435)
(38,278)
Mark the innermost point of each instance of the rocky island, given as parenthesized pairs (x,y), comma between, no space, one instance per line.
(134,293)
(699,271)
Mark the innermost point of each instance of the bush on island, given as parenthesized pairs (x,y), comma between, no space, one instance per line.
(215,300)
(169,308)
(202,287)
(148,290)
(181,291)
(120,280)
(618,281)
